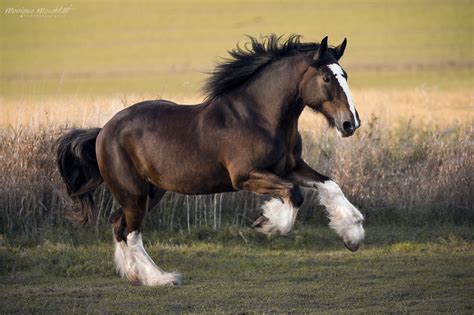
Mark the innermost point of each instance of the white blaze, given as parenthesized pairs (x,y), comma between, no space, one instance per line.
(338,73)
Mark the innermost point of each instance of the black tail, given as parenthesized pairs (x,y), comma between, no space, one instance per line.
(77,163)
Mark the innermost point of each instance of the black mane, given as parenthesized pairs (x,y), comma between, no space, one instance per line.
(247,60)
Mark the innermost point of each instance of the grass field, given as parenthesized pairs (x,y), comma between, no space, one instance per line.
(400,269)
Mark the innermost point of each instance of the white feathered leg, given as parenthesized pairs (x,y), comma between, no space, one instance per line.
(346,220)
(278,217)
(134,263)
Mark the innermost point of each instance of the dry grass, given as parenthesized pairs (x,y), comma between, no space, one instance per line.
(408,164)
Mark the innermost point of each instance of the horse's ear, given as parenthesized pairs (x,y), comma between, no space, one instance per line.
(339,50)
(323,46)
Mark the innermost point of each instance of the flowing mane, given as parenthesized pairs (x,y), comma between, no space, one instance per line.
(247,60)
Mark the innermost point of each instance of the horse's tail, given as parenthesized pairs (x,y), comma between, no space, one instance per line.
(77,163)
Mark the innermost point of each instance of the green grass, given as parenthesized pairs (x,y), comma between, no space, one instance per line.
(165,47)
(398,270)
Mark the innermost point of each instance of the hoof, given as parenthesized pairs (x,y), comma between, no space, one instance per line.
(352,247)
(163,279)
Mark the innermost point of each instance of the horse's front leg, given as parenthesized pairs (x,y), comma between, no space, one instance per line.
(279,214)
(345,219)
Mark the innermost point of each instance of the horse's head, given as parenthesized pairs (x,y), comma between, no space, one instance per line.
(324,88)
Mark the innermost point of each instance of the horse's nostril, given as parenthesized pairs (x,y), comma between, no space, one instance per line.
(347,125)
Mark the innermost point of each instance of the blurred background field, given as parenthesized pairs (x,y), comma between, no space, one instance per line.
(404,58)
(164,48)
(441,108)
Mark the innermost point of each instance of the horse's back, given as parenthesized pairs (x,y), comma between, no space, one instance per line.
(164,143)
(151,112)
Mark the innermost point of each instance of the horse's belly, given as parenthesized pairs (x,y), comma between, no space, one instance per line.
(199,179)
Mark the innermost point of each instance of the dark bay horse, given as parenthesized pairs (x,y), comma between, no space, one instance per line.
(244,136)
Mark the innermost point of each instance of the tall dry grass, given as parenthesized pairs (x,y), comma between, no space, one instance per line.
(396,175)
(406,165)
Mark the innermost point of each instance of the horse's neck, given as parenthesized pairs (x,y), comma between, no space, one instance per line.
(274,92)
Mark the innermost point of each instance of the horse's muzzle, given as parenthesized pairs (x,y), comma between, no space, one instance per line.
(348,129)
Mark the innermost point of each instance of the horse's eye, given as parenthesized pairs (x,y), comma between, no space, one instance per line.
(326,79)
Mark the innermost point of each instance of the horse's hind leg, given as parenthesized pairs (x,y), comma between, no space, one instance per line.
(131,259)
(117,218)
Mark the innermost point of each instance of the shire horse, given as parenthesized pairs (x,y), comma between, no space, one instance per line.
(244,136)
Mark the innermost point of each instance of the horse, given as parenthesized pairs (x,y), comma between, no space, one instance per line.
(243,136)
